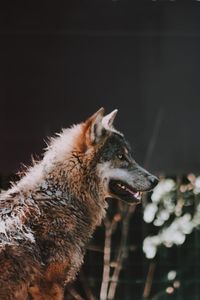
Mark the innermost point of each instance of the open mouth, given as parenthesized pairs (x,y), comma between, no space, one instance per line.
(125,192)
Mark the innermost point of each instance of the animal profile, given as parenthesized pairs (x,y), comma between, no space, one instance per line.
(48,216)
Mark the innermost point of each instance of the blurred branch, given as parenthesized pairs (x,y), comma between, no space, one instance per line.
(73,293)
(149,153)
(122,252)
(149,280)
(95,248)
(154,138)
(107,255)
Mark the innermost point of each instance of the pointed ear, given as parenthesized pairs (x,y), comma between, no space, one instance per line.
(108,120)
(94,127)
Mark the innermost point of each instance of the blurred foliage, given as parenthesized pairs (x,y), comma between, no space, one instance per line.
(174,208)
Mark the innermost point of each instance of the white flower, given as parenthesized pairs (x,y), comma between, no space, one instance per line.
(197,185)
(149,248)
(149,212)
(164,215)
(163,187)
(185,223)
(171,275)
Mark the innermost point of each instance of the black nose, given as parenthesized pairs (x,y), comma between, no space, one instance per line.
(154,180)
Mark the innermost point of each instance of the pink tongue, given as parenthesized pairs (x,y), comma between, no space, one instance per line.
(131,192)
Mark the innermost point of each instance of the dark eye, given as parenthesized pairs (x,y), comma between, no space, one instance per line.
(121,156)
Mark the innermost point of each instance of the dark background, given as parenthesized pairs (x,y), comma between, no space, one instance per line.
(61,61)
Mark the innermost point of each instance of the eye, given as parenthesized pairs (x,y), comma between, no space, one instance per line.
(121,156)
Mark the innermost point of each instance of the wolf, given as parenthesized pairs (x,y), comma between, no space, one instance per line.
(48,216)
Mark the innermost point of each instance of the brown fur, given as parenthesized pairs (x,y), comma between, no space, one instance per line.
(47,218)
(62,216)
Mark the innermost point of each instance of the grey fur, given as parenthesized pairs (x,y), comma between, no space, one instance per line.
(47,218)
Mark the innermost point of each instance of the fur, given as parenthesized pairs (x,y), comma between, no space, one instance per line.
(47,218)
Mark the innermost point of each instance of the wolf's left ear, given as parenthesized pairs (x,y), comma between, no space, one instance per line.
(94,127)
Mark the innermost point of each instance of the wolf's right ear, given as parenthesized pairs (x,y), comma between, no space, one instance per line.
(94,127)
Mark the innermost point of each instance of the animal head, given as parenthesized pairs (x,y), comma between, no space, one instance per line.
(95,154)
(121,176)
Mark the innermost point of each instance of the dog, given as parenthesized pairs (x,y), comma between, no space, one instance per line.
(48,216)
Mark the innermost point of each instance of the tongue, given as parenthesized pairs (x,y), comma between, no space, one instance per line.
(135,194)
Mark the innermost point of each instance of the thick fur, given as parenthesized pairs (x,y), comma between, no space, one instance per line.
(47,218)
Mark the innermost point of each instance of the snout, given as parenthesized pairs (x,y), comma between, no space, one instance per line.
(143,180)
(153,180)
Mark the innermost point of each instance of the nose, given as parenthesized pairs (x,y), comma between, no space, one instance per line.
(153,180)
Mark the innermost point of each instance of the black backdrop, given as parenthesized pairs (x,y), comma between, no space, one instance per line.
(61,61)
